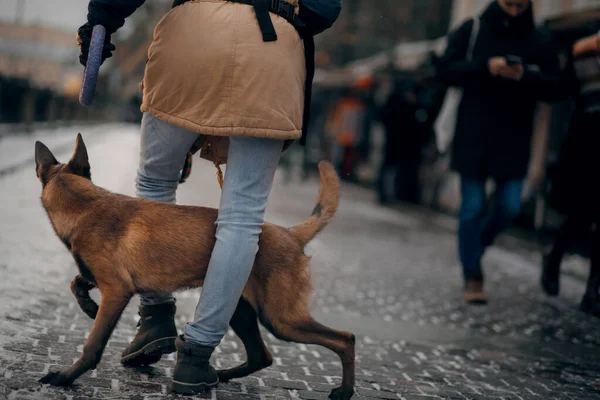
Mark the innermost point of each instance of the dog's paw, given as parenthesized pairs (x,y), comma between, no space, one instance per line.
(223,377)
(341,393)
(56,379)
(90,308)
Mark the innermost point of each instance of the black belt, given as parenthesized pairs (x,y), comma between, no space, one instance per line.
(288,12)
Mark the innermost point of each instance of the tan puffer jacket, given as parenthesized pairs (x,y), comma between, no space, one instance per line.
(209,71)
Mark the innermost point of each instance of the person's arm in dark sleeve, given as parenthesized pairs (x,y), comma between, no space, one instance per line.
(319,15)
(453,68)
(545,77)
(111,13)
(568,85)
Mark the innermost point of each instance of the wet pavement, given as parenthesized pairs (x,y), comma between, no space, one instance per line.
(391,276)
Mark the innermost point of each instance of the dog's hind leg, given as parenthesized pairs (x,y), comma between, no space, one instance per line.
(111,307)
(245,324)
(304,329)
(81,289)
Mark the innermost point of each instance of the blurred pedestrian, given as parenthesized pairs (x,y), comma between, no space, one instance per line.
(512,67)
(237,70)
(576,192)
(346,126)
(398,175)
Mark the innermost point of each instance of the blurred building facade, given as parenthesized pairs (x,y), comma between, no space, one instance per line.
(47,57)
(367,27)
(39,74)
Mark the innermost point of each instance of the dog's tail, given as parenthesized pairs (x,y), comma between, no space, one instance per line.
(327,204)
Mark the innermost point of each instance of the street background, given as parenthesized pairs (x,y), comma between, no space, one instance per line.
(391,276)
(386,268)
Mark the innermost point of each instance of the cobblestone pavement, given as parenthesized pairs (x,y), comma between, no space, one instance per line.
(389,276)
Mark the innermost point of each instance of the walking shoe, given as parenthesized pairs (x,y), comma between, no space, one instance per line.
(473,293)
(193,373)
(155,336)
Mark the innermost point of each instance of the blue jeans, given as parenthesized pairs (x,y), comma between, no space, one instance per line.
(251,166)
(477,228)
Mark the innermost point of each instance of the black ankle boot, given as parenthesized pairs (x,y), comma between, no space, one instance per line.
(550,279)
(590,304)
(193,373)
(155,336)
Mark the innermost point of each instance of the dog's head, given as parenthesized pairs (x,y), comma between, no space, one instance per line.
(47,166)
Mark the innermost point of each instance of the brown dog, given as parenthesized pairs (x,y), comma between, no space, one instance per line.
(124,245)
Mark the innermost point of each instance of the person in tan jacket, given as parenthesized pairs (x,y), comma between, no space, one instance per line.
(233,74)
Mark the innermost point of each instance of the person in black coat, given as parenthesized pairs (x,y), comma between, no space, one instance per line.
(512,68)
(575,190)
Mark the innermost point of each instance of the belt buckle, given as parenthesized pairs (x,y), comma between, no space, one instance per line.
(283,9)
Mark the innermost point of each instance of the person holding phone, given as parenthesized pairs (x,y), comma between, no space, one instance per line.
(512,68)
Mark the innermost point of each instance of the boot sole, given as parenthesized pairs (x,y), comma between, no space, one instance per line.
(478,300)
(192,388)
(150,353)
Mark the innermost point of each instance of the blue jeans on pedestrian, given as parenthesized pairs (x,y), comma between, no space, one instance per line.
(251,166)
(478,225)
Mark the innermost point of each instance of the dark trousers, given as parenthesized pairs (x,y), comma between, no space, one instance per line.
(478,225)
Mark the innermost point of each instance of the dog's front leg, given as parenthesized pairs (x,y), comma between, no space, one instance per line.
(81,289)
(111,307)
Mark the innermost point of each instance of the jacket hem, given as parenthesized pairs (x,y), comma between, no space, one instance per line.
(267,133)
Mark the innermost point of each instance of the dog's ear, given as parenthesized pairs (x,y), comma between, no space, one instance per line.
(44,159)
(79,164)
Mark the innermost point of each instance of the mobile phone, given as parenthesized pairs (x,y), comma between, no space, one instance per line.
(513,60)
